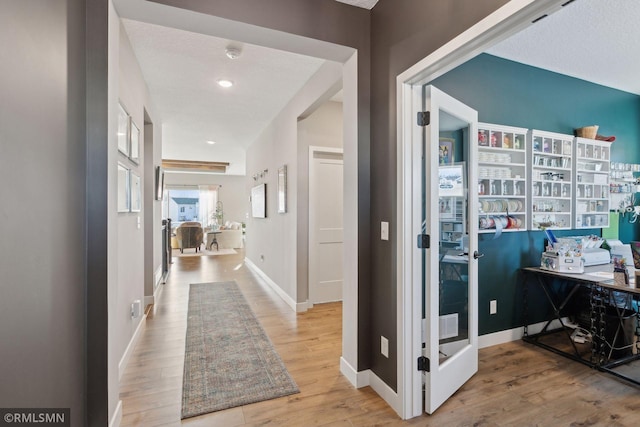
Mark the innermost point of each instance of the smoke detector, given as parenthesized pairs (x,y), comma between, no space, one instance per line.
(233,52)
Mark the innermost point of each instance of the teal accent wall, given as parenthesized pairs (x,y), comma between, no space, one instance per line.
(509,93)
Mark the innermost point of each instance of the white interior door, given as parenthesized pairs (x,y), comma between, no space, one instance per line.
(325,225)
(450,279)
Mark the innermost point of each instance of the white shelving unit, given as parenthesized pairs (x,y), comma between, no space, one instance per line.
(592,167)
(623,185)
(452,220)
(502,178)
(550,169)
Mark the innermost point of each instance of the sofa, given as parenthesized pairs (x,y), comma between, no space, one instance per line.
(189,235)
(230,236)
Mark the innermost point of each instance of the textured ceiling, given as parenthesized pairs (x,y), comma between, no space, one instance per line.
(366,4)
(181,69)
(594,40)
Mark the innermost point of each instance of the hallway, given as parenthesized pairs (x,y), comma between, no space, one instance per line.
(309,344)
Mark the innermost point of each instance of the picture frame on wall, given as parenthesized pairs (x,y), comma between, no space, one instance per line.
(282,189)
(123,188)
(136,192)
(446,151)
(134,132)
(259,201)
(123,130)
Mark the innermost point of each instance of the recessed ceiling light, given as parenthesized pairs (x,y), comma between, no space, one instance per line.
(225,83)
(211,142)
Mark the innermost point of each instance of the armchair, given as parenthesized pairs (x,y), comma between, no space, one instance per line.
(189,235)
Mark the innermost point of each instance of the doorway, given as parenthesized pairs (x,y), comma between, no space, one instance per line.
(325,224)
(505,22)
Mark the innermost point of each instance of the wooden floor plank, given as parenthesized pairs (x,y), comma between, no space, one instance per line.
(517,384)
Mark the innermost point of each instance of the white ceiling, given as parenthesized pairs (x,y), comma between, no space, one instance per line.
(181,69)
(594,40)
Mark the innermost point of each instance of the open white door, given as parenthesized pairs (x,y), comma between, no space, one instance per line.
(450,266)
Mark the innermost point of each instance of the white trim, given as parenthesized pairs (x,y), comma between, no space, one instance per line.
(297,307)
(311,168)
(151,299)
(157,278)
(131,346)
(515,334)
(116,418)
(501,24)
(385,392)
(357,379)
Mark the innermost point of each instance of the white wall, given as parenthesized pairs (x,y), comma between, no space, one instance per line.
(125,236)
(232,193)
(271,243)
(323,128)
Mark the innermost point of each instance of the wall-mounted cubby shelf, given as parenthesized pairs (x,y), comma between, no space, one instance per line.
(502,178)
(592,167)
(551,190)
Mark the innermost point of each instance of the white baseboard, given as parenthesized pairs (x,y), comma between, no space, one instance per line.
(514,334)
(116,418)
(385,392)
(297,307)
(157,278)
(152,299)
(131,346)
(357,379)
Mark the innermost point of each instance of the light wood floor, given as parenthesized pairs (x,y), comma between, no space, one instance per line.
(517,384)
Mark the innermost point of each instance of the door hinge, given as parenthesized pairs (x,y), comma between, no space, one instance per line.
(423,364)
(424,118)
(424,241)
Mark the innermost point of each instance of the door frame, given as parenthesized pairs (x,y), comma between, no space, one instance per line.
(506,21)
(313,150)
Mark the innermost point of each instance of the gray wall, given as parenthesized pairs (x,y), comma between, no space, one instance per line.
(42,168)
(401,34)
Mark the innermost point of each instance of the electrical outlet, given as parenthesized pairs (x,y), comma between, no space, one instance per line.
(384,230)
(384,346)
(493,306)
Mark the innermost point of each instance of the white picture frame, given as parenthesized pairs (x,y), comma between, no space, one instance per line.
(282,189)
(135,191)
(134,146)
(123,130)
(123,188)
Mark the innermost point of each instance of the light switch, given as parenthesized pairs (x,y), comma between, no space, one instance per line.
(384,230)
(138,223)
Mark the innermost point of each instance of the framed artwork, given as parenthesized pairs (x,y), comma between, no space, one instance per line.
(451,180)
(282,189)
(159,183)
(123,130)
(135,192)
(134,132)
(445,151)
(259,201)
(123,188)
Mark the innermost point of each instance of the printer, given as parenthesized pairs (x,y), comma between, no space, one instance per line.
(595,256)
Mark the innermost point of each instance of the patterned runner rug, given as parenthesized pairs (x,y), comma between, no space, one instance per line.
(229,360)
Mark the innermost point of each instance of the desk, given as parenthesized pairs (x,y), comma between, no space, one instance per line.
(612,311)
(212,239)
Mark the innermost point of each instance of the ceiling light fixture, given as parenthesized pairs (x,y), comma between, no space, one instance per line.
(232,52)
(225,83)
(211,142)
